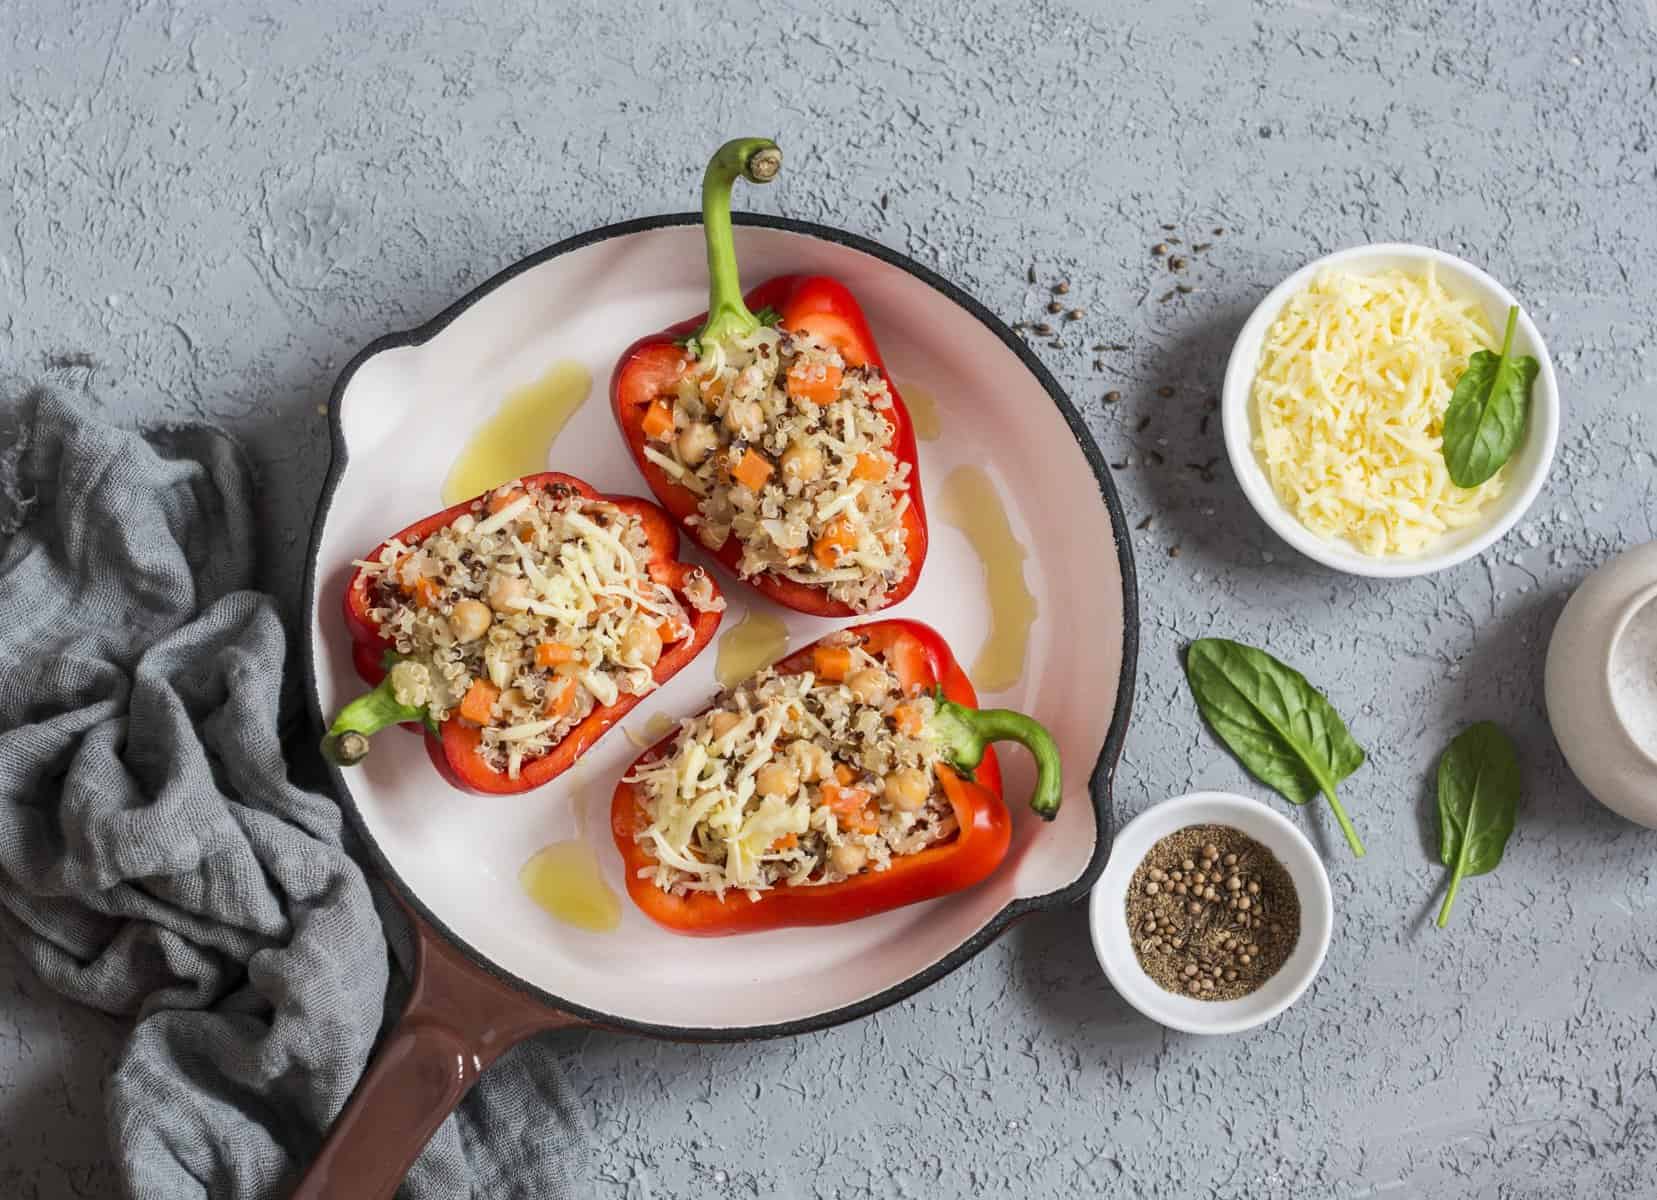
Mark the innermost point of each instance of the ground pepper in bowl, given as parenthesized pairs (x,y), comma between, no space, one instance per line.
(1212,913)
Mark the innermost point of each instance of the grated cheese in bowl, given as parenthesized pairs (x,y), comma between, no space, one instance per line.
(1348,401)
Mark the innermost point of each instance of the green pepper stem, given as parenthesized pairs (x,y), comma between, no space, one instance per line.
(346,742)
(966,732)
(757,160)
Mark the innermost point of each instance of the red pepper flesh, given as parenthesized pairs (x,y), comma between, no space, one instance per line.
(454,750)
(966,859)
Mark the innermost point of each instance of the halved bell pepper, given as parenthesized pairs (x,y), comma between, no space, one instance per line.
(453,744)
(815,304)
(971,781)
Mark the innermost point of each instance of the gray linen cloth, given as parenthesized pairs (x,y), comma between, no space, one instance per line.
(155,858)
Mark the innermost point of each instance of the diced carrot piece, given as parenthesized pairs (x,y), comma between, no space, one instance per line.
(668,632)
(831,662)
(849,805)
(714,388)
(817,382)
(786,842)
(837,540)
(500,500)
(658,420)
(550,654)
(752,471)
(843,774)
(478,703)
(907,718)
(871,467)
(426,594)
(560,699)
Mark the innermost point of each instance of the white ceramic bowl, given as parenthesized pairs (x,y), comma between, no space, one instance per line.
(1107,913)
(1590,726)
(1530,465)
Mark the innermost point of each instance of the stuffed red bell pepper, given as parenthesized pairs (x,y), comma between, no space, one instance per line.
(771,431)
(851,778)
(518,627)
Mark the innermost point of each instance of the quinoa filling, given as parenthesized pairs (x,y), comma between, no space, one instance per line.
(796,780)
(789,450)
(525,613)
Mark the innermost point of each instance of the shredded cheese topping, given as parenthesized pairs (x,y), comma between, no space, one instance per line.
(539,605)
(795,780)
(1349,401)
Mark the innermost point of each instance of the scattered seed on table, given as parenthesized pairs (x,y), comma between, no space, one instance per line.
(1166,296)
(1031,274)
(1144,424)
(1145,524)
(1112,397)
(1119,466)
(1116,346)
(1053,306)
(883,199)
(1061,287)
(1076,314)
(1185,289)
(1177,263)
(1170,228)
(1159,249)
(1173,551)
(1219,231)
(1173,241)
(1201,246)
(1165,391)
(1041,329)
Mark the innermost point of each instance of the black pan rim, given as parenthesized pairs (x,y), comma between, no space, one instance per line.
(1099,781)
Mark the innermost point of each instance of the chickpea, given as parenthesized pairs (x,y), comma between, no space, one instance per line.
(470,620)
(908,788)
(815,763)
(743,417)
(696,442)
(641,644)
(723,722)
(802,461)
(848,859)
(869,684)
(508,593)
(777,779)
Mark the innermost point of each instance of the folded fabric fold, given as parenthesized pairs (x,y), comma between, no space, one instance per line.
(155,857)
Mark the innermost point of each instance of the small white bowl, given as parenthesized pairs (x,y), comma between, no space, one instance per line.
(1589,724)
(1108,920)
(1530,465)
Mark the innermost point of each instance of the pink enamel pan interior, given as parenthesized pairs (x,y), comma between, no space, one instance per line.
(495,967)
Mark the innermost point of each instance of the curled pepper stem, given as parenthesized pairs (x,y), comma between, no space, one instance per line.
(346,742)
(757,160)
(966,732)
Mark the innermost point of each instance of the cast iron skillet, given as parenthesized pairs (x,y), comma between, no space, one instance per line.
(477,991)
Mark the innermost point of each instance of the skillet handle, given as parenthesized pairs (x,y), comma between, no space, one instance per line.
(459,1020)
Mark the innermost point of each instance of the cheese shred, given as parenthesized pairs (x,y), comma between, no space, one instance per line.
(1349,399)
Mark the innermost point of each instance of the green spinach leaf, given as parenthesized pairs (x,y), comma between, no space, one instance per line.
(1485,420)
(1478,798)
(1280,727)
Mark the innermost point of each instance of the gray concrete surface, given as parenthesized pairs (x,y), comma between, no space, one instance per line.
(219,208)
